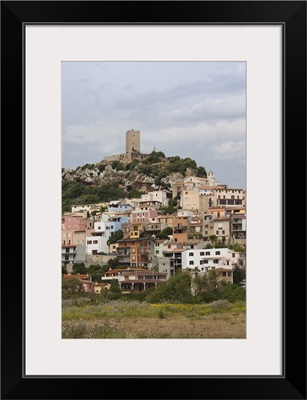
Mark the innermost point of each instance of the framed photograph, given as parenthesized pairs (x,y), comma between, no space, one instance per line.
(241,69)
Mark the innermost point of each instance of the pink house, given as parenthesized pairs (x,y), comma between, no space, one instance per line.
(140,215)
(74,223)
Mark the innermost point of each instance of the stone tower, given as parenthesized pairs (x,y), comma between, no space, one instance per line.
(133,142)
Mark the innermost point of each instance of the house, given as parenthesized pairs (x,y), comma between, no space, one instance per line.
(238,226)
(68,254)
(74,222)
(119,207)
(99,287)
(223,274)
(205,259)
(96,245)
(160,196)
(221,227)
(208,226)
(173,258)
(88,285)
(139,281)
(113,274)
(190,199)
(226,196)
(142,215)
(181,228)
(135,252)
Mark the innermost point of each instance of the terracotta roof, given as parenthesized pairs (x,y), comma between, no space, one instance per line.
(141,273)
(114,271)
(101,284)
(142,280)
(76,276)
(173,251)
(222,269)
(207,187)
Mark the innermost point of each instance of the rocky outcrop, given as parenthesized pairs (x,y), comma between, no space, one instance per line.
(106,172)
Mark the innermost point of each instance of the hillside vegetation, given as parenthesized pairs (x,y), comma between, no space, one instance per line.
(107,181)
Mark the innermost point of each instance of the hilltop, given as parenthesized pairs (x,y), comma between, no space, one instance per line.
(113,180)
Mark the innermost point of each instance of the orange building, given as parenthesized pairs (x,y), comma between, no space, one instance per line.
(135,252)
(181,229)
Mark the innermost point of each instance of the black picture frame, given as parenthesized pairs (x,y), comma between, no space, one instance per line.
(292,16)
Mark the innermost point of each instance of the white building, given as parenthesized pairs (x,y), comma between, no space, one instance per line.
(203,259)
(96,245)
(159,195)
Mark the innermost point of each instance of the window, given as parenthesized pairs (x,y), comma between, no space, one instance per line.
(217,232)
(217,253)
(224,273)
(233,254)
(215,261)
(191,262)
(201,262)
(202,253)
(223,232)
(191,254)
(89,242)
(205,261)
(95,241)
(207,253)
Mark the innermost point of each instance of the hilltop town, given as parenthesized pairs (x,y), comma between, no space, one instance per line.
(167,223)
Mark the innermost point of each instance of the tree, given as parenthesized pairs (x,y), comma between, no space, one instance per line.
(167,210)
(135,194)
(79,268)
(165,233)
(110,191)
(213,239)
(201,172)
(117,236)
(97,271)
(114,287)
(176,288)
(71,286)
(239,275)
(113,263)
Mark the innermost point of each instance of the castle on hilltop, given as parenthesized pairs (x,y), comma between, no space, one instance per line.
(133,149)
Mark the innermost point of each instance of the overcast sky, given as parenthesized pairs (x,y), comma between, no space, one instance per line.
(189,109)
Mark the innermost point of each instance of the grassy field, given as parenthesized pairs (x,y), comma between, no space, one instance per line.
(135,320)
